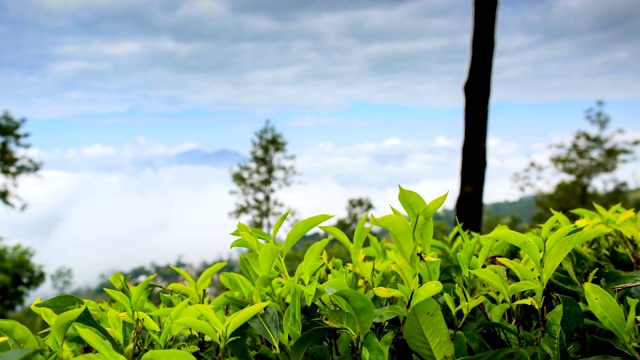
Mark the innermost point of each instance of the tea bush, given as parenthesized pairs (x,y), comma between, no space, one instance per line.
(564,290)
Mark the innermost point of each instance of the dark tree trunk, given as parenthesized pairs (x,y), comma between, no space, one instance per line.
(477,90)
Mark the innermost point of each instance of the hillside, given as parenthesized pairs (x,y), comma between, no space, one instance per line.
(519,212)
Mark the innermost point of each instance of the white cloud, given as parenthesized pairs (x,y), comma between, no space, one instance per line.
(138,153)
(85,57)
(445,142)
(98,150)
(96,221)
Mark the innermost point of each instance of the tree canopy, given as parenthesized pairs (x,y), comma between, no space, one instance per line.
(18,274)
(13,163)
(582,164)
(269,169)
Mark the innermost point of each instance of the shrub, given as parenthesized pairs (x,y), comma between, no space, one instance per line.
(563,290)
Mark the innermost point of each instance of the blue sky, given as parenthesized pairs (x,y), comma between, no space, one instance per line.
(368,95)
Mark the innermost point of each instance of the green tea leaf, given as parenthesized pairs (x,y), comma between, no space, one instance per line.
(411,202)
(553,342)
(63,322)
(267,255)
(496,281)
(62,303)
(121,298)
(302,228)
(18,333)
(238,319)
(309,337)
(360,307)
(426,291)
(401,233)
(572,316)
(523,272)
(426,331)
(115,321)
(465,256)
(384,292)
(292,323)
(371,349)
(205,278)
(426,234)
(211,318)
(278,224)
(168,355)
(95,341)
(434,205)
(359,235)
(315,251)
(526,244)
(555,238)
(553,259)
(187,277)
(522,286)
(430,268)
(138,292)
(388,312)
(267,324)
(632,328)
(406,273)
(338,235)
(119,281)
(184,289)
(607,310)
(19,354)
(148,322)
(198,325)
(460,345)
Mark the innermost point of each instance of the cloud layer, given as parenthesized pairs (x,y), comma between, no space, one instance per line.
(96,209)
(74,58)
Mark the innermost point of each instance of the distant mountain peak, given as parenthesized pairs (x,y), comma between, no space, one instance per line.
(218,158)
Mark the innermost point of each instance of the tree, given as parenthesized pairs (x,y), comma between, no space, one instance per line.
(12,163)
(61,279)
(588,157)
(18,275)
(477,90)
(269,169)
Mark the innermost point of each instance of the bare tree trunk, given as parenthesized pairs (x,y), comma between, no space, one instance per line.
(477,90)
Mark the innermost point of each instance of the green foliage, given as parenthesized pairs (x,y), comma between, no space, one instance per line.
(12,164)
(587,157)
(269,169)
(18,275)
(356,209)
(556,292)
(62,279)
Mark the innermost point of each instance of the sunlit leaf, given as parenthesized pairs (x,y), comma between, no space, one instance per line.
(95,341)
(205,278)
(302,228)
(412,202)
(426,291)
(607,310)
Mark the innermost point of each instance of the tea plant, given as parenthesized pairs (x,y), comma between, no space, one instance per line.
(563,290)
